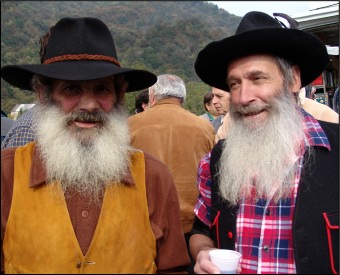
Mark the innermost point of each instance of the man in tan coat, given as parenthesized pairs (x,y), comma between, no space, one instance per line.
(175,136)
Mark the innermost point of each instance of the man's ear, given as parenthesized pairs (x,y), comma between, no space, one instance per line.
(121,96)
(145,106)
(296,79)
(151,97)
(121,91)
(41,93)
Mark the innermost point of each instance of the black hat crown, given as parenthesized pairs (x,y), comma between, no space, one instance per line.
(78,49)
(259,33)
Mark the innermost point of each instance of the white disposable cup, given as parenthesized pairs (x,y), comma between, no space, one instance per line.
(226,260)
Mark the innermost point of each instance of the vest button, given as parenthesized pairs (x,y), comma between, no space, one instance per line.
(266,248)
(230,235)
(85,214)
(268,212)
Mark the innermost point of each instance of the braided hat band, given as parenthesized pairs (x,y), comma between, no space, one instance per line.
(95,57)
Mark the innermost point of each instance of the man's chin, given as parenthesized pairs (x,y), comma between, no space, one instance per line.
(253,125)
(85,139)
(85,136)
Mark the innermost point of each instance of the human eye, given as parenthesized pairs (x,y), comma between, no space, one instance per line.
(233,84)
(71,89)
(258,77)
(104,89)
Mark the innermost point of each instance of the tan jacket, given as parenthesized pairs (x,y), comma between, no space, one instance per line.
(318,110)
(179,139)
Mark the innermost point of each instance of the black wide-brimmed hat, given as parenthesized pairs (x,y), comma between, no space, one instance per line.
(259,33)
(78,49)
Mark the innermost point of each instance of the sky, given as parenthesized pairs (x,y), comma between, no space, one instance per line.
(240,8)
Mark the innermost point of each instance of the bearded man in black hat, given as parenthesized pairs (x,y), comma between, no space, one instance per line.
(80,199)
(270,190)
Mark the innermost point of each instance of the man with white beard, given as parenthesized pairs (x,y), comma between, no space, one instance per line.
(80,199)
(270,189)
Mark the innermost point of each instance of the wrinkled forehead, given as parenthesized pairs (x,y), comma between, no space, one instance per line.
(217,91)
(252,59)
(220,93)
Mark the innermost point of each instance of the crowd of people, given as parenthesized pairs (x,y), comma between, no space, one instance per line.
(86,188)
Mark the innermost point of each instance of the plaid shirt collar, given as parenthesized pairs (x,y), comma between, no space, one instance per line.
(314,134)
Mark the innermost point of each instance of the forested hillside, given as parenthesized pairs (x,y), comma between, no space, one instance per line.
(160,36)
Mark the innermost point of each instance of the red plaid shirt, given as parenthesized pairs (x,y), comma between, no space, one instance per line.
(264,229)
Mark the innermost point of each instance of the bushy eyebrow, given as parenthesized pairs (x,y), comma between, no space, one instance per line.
(255,73)
(231,78)
(251,74)
(218,94)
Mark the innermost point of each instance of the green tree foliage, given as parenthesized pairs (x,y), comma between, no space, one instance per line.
(159,36)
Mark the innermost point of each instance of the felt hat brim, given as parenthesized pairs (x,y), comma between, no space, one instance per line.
(77,49)
(21,75)
(296,46)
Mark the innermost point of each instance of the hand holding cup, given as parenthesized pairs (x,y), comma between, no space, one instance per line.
(226,260)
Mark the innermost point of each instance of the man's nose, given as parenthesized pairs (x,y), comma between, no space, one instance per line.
(246,95)
(88,101)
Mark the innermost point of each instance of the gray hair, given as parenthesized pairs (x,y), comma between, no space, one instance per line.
(169,85)
(285,68)
(45,82)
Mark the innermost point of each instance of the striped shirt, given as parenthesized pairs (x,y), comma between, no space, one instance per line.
(264,228)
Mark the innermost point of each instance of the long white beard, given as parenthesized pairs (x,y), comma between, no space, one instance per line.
(259,160)
(85,161)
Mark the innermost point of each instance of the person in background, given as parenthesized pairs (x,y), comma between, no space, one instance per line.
(211,112)
(318,110)
(95,204)
(221,101)
(312,93)
(22,131)
(308,90)
(6,125)
(142,101)
(175,136)
(270,190)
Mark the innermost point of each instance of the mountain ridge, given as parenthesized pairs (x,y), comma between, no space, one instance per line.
(159,36)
